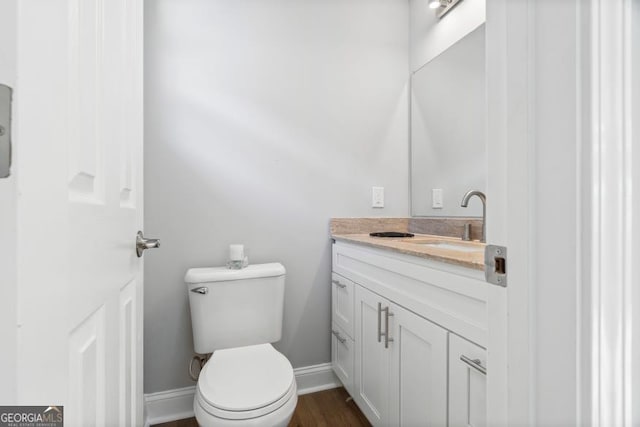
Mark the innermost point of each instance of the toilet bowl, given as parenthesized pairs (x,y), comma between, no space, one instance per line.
(236,314)
(246,386)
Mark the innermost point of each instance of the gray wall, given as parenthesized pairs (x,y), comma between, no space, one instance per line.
(264,119)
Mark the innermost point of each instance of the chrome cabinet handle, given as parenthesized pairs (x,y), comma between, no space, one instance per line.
(387,314)
(338,284)
(474,363)
(142,244)
(201,290)
(387,338)
(379,322)
(337,335)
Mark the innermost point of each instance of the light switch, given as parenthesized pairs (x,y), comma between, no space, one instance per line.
(436,198)
(377,197)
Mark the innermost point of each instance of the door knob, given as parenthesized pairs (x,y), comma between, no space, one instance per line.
(142,243)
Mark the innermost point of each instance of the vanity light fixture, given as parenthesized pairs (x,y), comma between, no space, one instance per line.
(442,6)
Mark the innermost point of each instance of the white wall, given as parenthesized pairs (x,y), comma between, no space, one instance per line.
(263,120)
(8,298)
(431,36)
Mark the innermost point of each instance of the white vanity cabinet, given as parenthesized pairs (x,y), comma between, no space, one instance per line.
(342,326)
(342,302)
(342,356)
(418,371)
(372,374)
(403,356)
(401,364)
(467,383)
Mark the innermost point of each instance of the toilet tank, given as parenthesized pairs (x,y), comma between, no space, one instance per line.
(235,308)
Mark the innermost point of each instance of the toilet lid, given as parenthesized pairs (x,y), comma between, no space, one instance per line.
(245,378)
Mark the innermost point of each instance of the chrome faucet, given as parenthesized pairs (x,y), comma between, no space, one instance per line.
(483,198)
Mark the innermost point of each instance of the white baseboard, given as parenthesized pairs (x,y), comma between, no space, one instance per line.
(316,378)
(177,404)
(169,405)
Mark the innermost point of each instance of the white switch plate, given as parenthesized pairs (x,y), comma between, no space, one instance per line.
(377,197)
(436,198)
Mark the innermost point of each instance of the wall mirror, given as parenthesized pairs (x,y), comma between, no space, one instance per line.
(448,129)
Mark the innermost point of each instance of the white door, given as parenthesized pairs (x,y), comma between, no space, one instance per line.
(78,143)
(372,358)
(418,371)
(467,383)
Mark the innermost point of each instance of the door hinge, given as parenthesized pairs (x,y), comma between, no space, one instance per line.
(495,265)
(5,131)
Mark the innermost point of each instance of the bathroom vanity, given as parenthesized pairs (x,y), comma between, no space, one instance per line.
(409,328)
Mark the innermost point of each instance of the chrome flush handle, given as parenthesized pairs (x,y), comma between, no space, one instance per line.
(143,244)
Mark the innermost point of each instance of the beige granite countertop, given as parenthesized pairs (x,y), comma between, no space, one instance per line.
(439,248)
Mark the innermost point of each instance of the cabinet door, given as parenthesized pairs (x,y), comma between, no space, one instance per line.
(342,301)
(467,383)
(418,371)
(372,359)
(342,357)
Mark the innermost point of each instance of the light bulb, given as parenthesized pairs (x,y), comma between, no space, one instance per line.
(434,4)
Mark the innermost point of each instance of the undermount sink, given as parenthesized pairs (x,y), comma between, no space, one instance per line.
(452,246)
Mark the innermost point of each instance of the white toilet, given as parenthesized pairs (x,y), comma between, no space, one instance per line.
(235,315)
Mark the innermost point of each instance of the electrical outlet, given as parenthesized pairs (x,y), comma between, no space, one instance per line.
(436,198)
(377,197)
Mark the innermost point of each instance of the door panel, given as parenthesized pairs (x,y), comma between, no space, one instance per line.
(129,376)
(87,368)
(418,371)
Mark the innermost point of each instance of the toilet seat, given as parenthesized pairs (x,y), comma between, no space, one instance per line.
(245,382)
(245,415)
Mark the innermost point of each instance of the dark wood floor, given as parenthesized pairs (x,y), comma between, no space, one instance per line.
(323,409)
